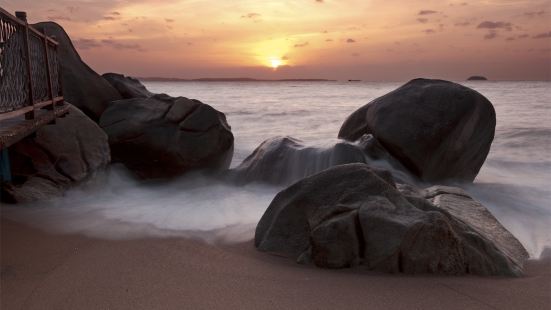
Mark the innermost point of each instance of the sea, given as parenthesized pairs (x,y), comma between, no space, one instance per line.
(514,182)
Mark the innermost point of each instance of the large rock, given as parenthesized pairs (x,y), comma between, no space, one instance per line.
(60,155)
(163,137)
(352,215)
(439,130)
(284,160)
(82,86)
(127,86)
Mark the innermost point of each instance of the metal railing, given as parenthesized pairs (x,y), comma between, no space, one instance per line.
(30,76)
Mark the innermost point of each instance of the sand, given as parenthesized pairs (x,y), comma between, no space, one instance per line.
(40,270)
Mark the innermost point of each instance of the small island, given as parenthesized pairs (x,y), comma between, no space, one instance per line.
(477,78)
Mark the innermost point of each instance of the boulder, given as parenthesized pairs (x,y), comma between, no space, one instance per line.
(59,155)
(164,137)
(82,86)
(284,160)
(438,129)
(127,86)
(352,215)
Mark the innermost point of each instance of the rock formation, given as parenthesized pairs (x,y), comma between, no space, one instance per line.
(82,86)
(127,86)
(352,215)
(163,137)
(60,155)
(439,130)
(284,160)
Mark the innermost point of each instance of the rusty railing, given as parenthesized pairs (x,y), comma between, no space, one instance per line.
(30,76)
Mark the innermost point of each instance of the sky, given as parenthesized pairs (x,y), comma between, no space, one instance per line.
(376,40)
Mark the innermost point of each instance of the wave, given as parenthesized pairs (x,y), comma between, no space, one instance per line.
(523,210)
(523,135)
(115,206)
(520,165)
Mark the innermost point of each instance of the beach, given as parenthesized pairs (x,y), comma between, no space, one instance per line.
(275,155)
(41,270)
(119,243)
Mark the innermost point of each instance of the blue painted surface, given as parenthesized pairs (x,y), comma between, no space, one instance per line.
(5,169)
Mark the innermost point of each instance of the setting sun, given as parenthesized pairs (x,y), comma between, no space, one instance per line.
(275,62)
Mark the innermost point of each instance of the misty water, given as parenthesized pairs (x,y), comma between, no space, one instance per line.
(514,182)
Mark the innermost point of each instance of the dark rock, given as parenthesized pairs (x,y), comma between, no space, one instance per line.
(284,160)
(60,155)
(439,130)
(477,78)
(350,216)
(163,137)
(127,86)
(82,86)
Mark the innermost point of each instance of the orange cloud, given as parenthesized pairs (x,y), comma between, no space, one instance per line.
(192,39)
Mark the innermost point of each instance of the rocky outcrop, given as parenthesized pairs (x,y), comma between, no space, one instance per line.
(60,155)
(163,137)
(284,160)
(352,215)
(82,86)
(439,130)
(127,86)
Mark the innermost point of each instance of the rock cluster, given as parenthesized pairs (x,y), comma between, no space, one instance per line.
(352,215)
(154,135)
(356,203)
(60,154)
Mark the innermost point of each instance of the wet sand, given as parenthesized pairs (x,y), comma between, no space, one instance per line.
(40,270)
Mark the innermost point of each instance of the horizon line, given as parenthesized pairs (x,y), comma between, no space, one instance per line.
(249,79)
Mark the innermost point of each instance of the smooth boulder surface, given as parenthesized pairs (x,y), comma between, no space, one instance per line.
(352,215)
(60,155)
(127,86)
(164,137)
(284,160)
(82,86)
(438,129)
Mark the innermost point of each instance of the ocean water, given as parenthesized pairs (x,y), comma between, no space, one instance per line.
(514,182)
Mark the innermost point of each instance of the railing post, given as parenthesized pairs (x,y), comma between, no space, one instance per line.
(23,16)
(50,86)
(59,76)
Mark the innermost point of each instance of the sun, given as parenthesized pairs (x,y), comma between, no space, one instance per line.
(275,63)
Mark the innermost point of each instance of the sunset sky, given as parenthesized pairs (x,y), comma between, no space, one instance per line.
(333,39)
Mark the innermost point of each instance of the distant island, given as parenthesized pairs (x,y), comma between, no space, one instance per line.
(239,79)
(477,78)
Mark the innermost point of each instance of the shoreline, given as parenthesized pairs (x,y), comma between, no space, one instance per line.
(44,270)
